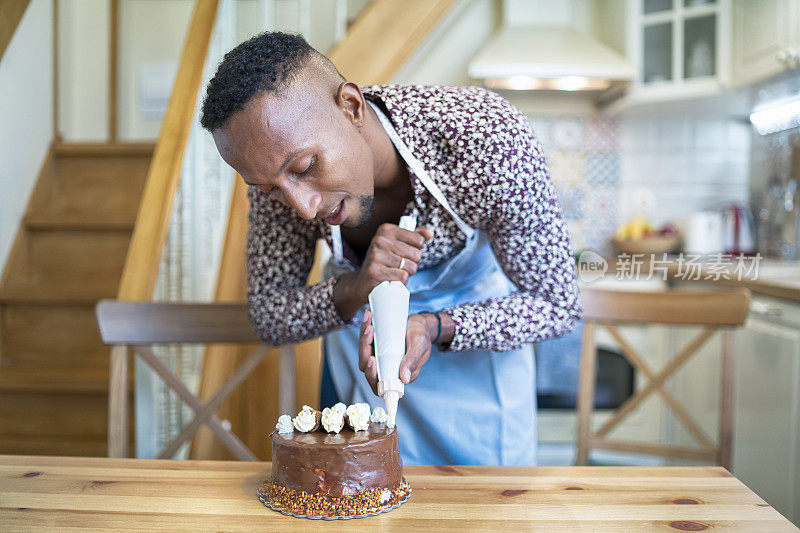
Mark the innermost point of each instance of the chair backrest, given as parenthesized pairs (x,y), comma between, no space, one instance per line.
(140,323)
(720,308)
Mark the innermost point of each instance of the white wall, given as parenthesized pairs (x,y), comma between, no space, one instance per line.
(83,69)
(151,36)
(26,108)
(443,58)
(151,32)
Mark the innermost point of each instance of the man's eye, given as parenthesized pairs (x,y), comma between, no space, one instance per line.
(309,167)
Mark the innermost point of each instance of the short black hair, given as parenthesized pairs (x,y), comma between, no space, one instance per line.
(265,63)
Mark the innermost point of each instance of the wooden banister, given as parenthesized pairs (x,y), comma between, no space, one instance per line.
(384,37)
(11,12)
(152,221)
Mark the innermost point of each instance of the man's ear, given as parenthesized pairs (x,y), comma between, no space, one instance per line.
(351,102)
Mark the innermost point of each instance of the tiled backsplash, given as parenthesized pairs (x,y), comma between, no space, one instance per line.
(584,158)
(666,161)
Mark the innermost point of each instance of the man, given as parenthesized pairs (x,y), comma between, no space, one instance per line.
(490,267)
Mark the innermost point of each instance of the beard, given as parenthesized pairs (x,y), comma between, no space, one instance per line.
(367,204)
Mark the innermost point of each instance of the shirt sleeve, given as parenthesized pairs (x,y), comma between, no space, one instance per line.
(280,253)
(532,245)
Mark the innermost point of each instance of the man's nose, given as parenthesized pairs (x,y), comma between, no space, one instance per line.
(303,199)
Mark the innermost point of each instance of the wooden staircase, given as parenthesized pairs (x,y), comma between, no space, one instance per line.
(68,254)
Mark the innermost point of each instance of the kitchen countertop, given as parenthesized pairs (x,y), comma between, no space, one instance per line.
(773,277)
(38,493)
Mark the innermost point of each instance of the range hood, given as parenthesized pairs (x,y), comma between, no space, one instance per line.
(557,58)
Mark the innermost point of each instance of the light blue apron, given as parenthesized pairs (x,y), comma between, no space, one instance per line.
(470,408)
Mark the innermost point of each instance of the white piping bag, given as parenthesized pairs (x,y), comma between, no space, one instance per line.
(389,304)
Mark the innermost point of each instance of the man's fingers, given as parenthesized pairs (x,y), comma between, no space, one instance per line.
(412,238)
(409,362)
(410,253)
(416,356)
(425,232)
(371,373)
(365,343)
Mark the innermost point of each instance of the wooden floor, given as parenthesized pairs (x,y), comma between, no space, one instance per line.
(68,254)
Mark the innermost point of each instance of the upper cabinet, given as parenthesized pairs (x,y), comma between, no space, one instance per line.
(680,47)
(766,39)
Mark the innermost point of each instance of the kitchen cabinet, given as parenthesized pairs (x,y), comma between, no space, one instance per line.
(766,39)
(766,449)
(766,446)
(680,47)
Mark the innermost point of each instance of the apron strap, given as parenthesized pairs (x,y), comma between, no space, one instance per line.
(419,171)
(336,239)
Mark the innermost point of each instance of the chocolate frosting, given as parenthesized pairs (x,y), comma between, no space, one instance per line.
(337,465)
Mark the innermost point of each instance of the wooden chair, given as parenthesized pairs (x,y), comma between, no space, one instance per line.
(137,325)
(608,309)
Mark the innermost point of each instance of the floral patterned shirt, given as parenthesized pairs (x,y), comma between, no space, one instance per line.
(482,153)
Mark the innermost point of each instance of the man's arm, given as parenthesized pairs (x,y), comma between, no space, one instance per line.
(532,245)
(280,253)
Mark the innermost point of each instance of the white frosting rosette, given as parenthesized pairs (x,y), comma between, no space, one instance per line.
(333,418)
(379,415)
(284,424)
(307,420)
(358,416)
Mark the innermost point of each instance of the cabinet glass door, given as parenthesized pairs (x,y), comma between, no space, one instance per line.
(699,46)
(655,6)
(658,52)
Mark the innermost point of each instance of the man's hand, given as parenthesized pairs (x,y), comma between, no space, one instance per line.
(420,332)
(390,246)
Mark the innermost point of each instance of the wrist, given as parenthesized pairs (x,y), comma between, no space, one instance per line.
(346,299)
(433,325)
(447,331)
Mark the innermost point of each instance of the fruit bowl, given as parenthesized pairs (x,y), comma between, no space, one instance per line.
(652,244)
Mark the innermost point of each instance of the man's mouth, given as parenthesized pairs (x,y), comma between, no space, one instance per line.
(337,215)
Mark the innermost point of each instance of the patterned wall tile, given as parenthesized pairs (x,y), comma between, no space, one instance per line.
(567,168)
(572,202)
(602,169)
(583,156)
(602,134)
(577,230)
(567,133)
(601,215)
(541,130)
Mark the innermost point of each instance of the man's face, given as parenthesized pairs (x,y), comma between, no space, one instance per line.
(304,149)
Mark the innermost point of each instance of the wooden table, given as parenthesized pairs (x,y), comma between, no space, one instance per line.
(149,495)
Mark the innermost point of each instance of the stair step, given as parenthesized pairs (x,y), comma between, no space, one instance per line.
(80,260)
(70,149)
(58,295)
(72,415)
(50,221)
(49,378)
(87,189)
(68,255)
(35,334)
(55,423)
(53,445)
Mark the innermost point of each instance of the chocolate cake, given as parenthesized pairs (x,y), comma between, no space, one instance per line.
(330,475)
